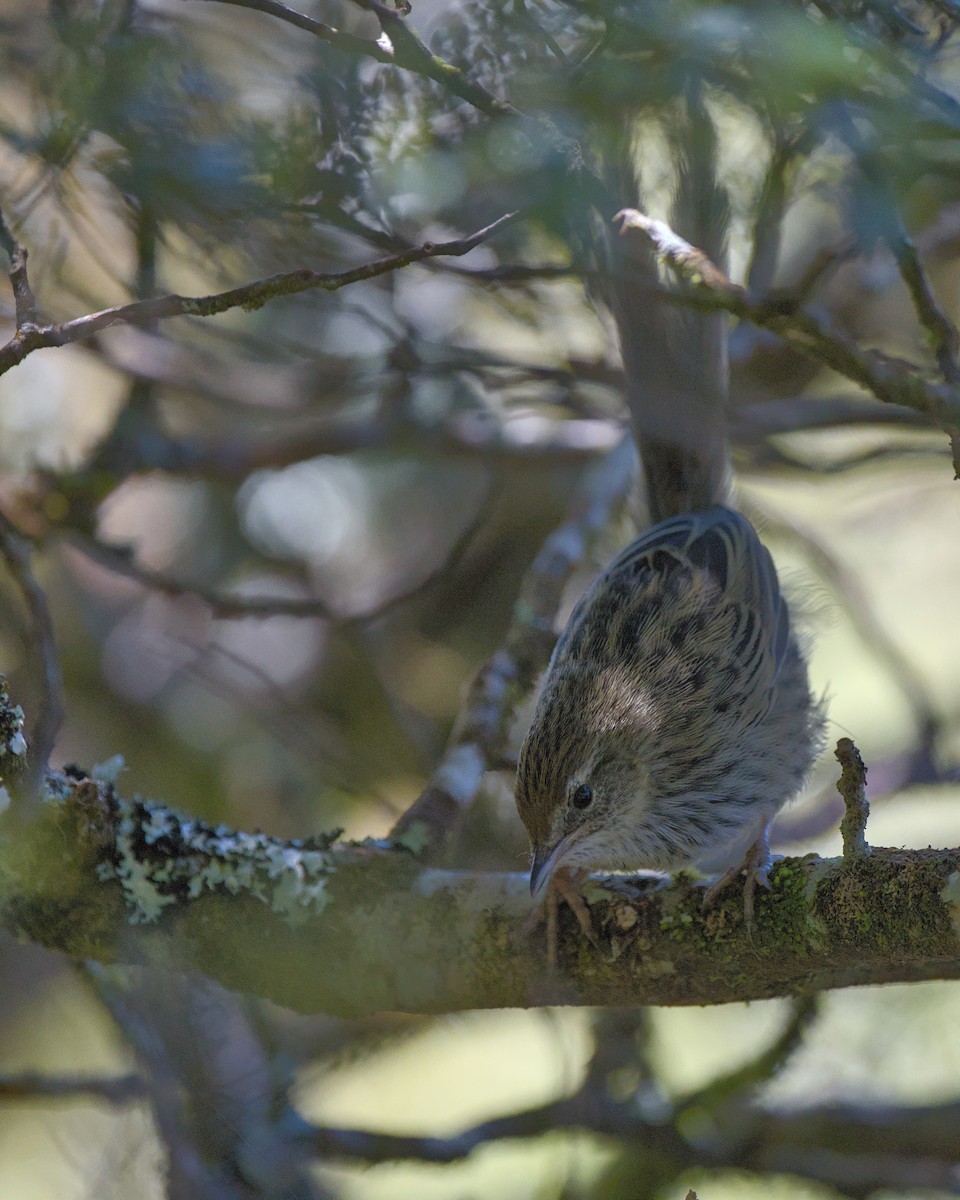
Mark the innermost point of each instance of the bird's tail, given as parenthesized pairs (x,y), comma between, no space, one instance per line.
(674,359)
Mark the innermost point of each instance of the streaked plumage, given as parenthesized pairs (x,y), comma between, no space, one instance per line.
(679,696)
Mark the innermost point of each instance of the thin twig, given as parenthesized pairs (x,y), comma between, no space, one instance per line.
(348,42)
(120,1089)
(250,296)
(852,786)
(771,210)
(937,325)
(857,1149)
(192,1168)
(25,304)
(587,1111)
(756,1071)
(757,422)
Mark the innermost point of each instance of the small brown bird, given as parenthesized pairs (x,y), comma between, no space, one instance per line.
(675,717)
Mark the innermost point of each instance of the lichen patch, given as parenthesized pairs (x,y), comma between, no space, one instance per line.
(161,858)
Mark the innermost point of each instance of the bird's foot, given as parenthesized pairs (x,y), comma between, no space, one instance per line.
(756,869)
(565,885)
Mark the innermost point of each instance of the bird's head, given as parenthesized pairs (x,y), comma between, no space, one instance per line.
(583,779)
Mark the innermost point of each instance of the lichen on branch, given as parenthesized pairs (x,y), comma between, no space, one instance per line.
(357,929)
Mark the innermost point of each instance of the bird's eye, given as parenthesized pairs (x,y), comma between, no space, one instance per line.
(582,797)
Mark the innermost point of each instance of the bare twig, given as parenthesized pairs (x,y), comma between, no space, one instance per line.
(192,1164)
(250,296)
(823,264)
(348,42)
(482,726)
(120,1089)
(852,786)
(768,455)
(856,1149)
(771,210)
(915,87)
(25,304)
(587,1111)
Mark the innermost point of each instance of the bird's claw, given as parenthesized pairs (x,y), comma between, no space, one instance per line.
(756,871)
(564,886)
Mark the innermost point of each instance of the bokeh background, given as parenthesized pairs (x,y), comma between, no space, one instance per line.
(399,449)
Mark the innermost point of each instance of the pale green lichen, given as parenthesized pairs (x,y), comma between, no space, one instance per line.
(13,745)
(109,771)
(162,858)
(55,787)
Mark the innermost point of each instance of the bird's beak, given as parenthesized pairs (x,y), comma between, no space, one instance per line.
(545,859)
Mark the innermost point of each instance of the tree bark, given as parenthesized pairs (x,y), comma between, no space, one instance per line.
(355,929)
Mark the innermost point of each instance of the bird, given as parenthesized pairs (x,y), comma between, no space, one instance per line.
(675,717)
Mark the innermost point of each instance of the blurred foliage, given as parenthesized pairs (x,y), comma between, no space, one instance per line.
(400,448)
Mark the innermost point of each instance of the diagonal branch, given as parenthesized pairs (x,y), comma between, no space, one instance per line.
(249,296)
(348,42)
(938,327)
(401,47)
(482,727)
(890,379)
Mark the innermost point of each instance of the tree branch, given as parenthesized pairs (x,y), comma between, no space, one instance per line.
(24,302)
(249,296)
(889,379)
(361,929)
(857,1149)
(401,47)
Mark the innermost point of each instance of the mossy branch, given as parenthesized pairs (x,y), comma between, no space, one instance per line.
(359,929)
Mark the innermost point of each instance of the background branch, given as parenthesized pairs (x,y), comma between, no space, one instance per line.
(478,738)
